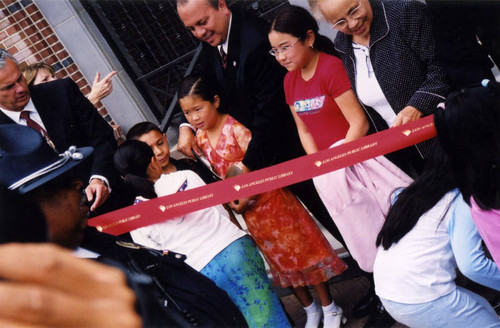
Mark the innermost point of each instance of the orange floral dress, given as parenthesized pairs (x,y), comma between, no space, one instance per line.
(296,250)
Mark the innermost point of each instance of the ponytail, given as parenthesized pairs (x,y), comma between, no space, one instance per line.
(324,44)
(141,185)
(132,160)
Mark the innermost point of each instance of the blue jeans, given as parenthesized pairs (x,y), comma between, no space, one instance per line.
(460,308)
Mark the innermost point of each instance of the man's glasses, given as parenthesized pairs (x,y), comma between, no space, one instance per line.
(284,49)
(354,14)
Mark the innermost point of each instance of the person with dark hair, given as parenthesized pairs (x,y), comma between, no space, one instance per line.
(297,21)
(388,50)
(151,134)
(428,233)
(251,84)
(298,253)
(317,88)
(249,79)
(327,113)
(213,245)
(468,129)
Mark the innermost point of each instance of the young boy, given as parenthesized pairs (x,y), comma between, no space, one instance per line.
(150,133)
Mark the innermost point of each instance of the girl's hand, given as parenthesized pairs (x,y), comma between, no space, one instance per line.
(236,169)
(243,204)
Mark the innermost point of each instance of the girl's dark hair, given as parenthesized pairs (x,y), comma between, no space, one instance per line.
(419,197)
(132,159)
(206,88)
(297,21)
(468,129)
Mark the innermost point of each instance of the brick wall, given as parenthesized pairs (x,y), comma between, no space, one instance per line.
(26,34)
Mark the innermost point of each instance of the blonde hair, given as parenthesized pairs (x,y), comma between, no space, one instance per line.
(32,70)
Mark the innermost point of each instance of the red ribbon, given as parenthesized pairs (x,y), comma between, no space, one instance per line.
(281,175)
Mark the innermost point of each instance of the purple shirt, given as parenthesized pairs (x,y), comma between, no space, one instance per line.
(488,225)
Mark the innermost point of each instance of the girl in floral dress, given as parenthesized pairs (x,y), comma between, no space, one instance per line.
(296,250)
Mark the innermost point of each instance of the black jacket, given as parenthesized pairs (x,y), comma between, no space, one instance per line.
(70,119)
(188,297)
(402,52)
(252,91)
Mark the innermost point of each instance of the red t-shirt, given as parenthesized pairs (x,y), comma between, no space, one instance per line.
(314,101)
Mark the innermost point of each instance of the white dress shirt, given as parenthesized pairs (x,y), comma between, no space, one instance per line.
(367,86)
(30,106)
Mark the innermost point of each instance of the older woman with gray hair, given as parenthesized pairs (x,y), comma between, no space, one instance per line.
(388,51)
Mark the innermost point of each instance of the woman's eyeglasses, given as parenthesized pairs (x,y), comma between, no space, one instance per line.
(354,14)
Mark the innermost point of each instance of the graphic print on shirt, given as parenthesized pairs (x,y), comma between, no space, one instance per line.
(183,187)
(309,106)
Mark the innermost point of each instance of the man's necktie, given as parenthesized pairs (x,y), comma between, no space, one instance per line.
(25,114)
(223,58)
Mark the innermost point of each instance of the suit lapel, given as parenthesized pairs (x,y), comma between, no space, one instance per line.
(52,119)
(4,119)
(213,58)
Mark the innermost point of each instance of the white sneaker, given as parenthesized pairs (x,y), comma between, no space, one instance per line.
(334,319)
(314,318)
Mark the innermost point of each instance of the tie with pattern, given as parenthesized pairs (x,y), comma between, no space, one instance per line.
(223,58)
(25,114)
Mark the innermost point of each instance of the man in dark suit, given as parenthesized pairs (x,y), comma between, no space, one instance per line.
(62,114)
(236,54)
(467,33)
